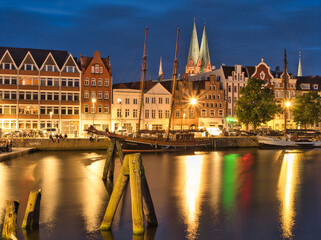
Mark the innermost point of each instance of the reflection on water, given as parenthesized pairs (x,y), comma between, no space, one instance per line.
(192,200)
(216,181)
(4,189)
(50,196)
(289,180)
(229,181)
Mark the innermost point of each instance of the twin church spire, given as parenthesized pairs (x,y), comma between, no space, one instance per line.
(198,60)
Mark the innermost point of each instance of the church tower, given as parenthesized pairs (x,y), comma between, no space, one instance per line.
(205,63)
(193,54)
(198,60)
(299,67)
(160,72)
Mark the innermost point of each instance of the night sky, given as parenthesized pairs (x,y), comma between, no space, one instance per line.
(238,32)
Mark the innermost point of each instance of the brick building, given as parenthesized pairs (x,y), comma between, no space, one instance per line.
(96,91)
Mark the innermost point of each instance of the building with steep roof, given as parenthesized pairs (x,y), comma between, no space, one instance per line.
(96,91)
(39,88)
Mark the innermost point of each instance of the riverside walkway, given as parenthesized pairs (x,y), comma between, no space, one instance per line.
(16,152)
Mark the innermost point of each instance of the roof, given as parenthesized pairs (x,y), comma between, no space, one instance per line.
(228,71)
(194,51)
(39,55)
(148,85)
(85,61)
(308,79)
(204,51)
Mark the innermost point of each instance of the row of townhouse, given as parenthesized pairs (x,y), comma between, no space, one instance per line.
(50,88)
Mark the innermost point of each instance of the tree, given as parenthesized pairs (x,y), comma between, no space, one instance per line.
(256,106)
(307,109)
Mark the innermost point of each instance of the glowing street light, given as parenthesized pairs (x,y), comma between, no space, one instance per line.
(193,101)
(288,104)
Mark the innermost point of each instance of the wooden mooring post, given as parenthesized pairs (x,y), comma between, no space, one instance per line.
(109,167)
(133,169)
(9,229)
(31,219)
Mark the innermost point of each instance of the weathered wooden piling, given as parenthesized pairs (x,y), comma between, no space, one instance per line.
(116,196)
(31,219)
(136,194)
(110,161)
(133,169)
(9,229)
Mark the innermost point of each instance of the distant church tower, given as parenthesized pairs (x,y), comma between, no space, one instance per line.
(160,72)
(299,67)
(198,61)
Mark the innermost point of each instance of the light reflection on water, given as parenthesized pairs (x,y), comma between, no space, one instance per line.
(193,191)
(289,181)
(241,194)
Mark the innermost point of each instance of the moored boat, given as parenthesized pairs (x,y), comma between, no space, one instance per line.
(274,142)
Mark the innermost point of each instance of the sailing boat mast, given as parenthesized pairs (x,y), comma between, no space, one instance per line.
(173,86)
(142,83)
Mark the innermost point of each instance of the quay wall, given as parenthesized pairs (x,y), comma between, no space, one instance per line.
(85,144)
(63,145)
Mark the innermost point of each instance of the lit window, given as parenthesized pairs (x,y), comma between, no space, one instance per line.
(86,95)
(106,82)
(93,82)
(106,109)
(100,82)
(100,95)
(106,95)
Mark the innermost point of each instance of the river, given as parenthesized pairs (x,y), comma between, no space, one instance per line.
(230,194)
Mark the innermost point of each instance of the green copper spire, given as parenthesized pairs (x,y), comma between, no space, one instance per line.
(194,52)
(204,52)
(299,67)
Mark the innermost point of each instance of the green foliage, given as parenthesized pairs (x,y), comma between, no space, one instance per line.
(307,109)
(256,106)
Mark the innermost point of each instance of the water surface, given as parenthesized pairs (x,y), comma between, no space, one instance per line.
(234,194)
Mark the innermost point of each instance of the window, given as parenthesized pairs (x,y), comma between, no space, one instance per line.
(166,113)
(220,113)
(70,69)
(106,109)
(76,96)
(70,82)
(63,96)
(229,100)
(49,82)
(76,82)
(93,94)
(106,82)
(86,81)
(93,82)
(100,95)
(235,89)
(203,113)
(147,100)
(35,96)
(49,96)
(235,99)
(100,70)
(96,68)
(63,82)
(212,113)
(160,100)
(167,100)
(106,95)
(92,69)
(134,113)
(63,111)
(69,97)
(191,113)
(153,114)
(135,101)
(229,88)
(214,87)
(160,114)
(99,109)
(210,96)
(178,113)
(76,110)
(213,96)
(86,110)
(93,109)
(315,86)
(126,100)
(218,96)
(126,112)
(146,114)
(69,110)
(276,93)
(86,95)
(118,112)
(100,82)
(153,100)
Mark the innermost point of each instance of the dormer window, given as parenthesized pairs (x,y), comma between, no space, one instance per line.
(96,68)
(7,66)
(29,67)
(315,87)
(50,68)
(70,69)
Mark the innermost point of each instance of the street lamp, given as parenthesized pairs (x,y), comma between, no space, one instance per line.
(50,119)
(287,105)
(193,101)
(93,110)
